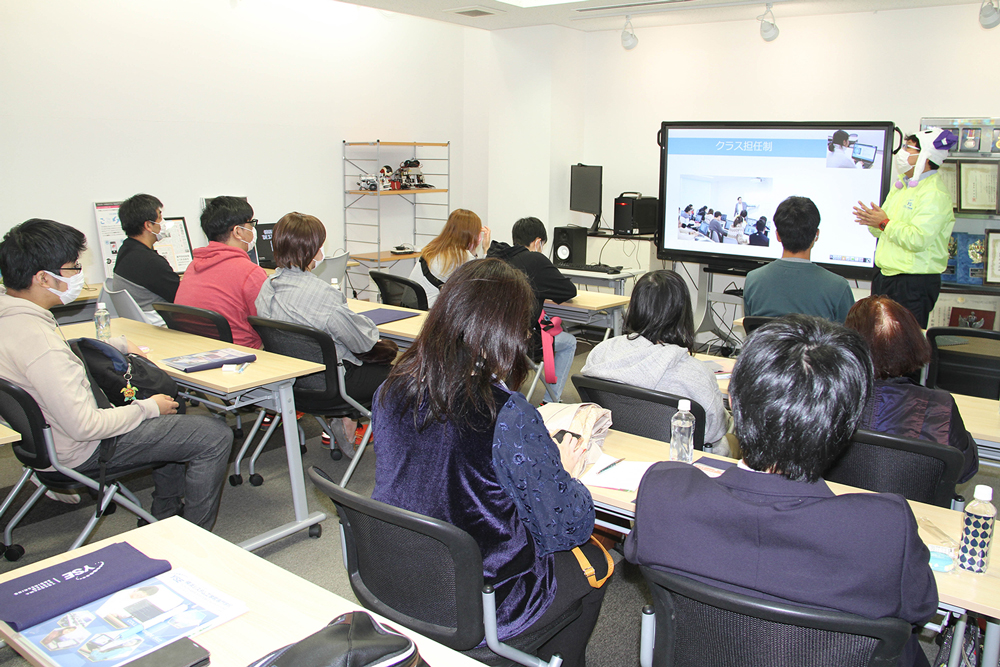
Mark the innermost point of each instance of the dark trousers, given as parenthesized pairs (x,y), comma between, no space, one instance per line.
(362,381)
(571,586)
(916,292)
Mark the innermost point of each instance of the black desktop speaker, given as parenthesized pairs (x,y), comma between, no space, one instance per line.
(635,214)
(569,245)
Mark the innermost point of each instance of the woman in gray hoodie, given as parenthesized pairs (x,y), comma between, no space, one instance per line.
(655,352)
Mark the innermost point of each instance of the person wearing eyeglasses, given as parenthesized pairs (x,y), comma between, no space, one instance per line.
(139,270)
(39,260)
(222,276)
(913,225)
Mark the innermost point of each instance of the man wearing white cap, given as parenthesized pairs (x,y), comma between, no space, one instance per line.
(914,225)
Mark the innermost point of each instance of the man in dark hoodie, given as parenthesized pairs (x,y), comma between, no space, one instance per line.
(547,282)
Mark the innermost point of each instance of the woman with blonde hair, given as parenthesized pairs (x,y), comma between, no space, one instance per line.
(457,243)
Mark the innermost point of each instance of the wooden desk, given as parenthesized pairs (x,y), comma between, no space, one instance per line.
(266,382)
(963,590)
(593,308)
(403,332)
(382,257)
(615,281)
(284,608)
(8,435)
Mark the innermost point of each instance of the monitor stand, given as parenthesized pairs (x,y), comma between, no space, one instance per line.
(704,316)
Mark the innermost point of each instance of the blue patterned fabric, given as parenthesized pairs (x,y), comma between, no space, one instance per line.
(447,471)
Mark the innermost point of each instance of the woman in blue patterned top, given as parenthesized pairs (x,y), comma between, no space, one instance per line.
(455,442)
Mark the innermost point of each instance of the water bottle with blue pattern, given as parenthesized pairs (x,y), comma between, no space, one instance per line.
(977,534)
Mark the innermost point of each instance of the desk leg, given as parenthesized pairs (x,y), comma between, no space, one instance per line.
(991,645)
(958,639)
(619,320)
(285,402)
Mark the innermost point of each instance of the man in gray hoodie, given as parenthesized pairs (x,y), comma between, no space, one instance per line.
(39,261)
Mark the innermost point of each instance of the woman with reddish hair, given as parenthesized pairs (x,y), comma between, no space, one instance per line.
(899,405)
(457,243)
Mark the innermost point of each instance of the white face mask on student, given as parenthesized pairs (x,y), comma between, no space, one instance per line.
(74,286)
(253,237)
(318,259)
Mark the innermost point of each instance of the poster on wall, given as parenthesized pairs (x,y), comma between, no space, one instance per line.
(175,247)
(109,233)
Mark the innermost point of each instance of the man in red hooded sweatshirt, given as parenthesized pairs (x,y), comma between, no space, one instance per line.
(222,277)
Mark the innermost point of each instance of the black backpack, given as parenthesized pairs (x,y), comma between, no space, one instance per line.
(116,374)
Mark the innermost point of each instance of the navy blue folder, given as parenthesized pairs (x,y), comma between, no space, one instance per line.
(39,596)
(386,315)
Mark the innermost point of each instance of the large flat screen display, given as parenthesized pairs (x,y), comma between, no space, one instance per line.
(742,171)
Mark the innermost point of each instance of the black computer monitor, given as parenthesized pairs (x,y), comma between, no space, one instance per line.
(585,191)
(265,253)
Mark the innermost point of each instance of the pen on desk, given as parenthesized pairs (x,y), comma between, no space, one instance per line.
(610,465)
(243,367)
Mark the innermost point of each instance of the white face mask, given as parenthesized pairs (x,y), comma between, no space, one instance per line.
(253,237)
(74,286)
(903,162)
(164,232)
(320,256)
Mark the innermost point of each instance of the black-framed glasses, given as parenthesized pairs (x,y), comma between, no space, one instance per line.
(76,268)
(252,221)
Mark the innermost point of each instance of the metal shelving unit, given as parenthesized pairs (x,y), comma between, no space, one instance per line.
(366,211)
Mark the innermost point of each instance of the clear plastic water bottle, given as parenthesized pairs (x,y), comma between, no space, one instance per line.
(977,534)
(102,322)
(335,284)
(682,433)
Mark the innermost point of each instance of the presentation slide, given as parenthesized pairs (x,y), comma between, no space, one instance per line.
(741,174)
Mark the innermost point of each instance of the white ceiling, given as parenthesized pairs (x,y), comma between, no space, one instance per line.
(591,15)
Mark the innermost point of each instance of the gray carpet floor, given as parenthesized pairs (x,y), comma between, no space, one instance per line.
(247,511)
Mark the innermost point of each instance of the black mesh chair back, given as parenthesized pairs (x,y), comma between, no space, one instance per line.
(971,367)
(644,412)
(915,469)
(699,624)
(318,390)
(753,322)
(420,572)
(197,321)
(399,291)
(23,415)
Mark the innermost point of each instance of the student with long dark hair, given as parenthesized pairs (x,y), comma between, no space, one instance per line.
(454,441)
(655,352)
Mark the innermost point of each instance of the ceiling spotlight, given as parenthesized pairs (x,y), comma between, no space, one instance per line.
(629,40)
(769,31)
(989,17)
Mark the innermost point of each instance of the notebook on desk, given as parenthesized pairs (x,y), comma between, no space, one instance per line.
(386,315)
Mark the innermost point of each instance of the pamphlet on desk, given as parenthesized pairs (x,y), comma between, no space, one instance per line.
(203,361)
(133,619)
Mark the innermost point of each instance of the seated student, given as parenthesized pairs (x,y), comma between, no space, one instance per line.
(899,405)
(716,231)
(457,243)
(793,284)
(294,294)
(759,238)
(454,441)
(656,352)
(222,277)
(547,282)
(771,527)
(139,270)
(840,155)
(39,260)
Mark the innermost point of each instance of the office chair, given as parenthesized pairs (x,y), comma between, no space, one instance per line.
(915,469)
(752,323)
(972,368)
(399,291)
(427,575)
(321,394)
(121,304)
(333,268)
(209,324)
(638,411)
(36,452)
(694,623)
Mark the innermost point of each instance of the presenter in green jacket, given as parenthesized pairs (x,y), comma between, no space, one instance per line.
(913,225)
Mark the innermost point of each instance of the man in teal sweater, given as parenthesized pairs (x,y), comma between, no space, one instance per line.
(793,284)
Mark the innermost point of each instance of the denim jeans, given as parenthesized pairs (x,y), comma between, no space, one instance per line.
(195,451)
(564,349)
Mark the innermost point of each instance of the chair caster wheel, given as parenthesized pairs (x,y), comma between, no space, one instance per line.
(15,551)
(141,522)
(238,433)
(303,449)
(315,530)
(235,480)
(256,480)
(336,454)
(112,507)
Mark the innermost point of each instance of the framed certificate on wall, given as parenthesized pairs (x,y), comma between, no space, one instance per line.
(977,185)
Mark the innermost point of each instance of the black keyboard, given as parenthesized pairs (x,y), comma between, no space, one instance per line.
(596,268)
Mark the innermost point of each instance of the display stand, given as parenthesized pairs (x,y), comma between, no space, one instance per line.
(704,316)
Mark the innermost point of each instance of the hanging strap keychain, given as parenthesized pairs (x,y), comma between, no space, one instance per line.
(128,391)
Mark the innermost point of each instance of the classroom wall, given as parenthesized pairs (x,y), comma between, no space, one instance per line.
(192,98)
